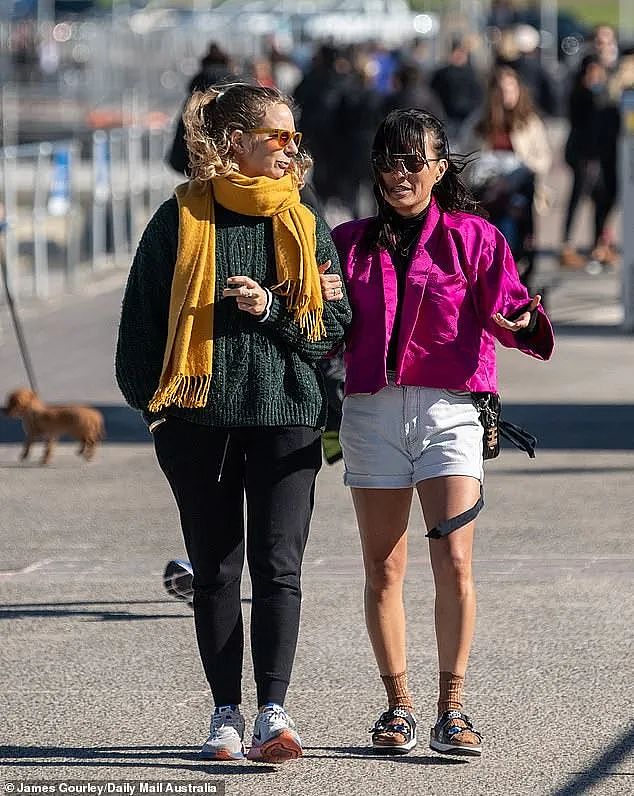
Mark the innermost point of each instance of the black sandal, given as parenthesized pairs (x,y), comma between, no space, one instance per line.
(443,735)
(394,720)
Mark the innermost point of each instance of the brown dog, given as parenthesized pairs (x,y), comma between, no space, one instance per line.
(48,423)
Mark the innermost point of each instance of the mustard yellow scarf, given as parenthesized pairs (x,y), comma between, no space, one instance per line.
(187,362)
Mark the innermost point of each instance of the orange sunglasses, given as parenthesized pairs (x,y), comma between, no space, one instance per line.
(284,137)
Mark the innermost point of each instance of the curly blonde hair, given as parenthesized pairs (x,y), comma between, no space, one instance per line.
(211,116)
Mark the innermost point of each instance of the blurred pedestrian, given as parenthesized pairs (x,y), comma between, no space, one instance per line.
(215,67)
(262,70)
(514,158)
(355,120)
(605,46)
(623,78)
(591,153)
(432,287)
(458,87)
(223,323)
(318,96)
(410,90)
(502,14)
(528,65)
(286,73)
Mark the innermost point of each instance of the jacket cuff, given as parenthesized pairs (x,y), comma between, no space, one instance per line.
(528,331)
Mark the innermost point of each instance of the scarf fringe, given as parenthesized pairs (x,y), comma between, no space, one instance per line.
(310,321)
(311,324)
(189,392)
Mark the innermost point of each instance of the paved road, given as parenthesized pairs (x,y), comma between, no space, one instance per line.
(99,674)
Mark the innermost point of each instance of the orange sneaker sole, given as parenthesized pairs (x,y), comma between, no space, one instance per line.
(222,754)
(281,749)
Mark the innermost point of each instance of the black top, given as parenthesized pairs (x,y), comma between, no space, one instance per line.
(407,232)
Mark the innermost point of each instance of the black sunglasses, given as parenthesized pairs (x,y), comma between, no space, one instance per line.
(409,162)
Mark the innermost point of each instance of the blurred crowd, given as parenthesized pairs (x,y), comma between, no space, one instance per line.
(342,93)
(494,93)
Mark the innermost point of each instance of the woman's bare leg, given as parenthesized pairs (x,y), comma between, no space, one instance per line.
(382,516)
(455,606)
(451,558)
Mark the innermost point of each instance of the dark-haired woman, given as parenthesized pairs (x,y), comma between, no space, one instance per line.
(222,326)
(432,286)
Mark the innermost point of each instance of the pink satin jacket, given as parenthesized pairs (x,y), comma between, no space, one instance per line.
(462,272)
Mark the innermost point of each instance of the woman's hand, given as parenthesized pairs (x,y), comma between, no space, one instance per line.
(250,296)
(331,285)
(523,320)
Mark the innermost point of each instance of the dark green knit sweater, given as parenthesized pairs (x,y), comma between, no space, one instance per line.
(264,372)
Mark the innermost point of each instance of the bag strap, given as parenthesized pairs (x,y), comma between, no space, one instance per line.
(446,527)
(519,437)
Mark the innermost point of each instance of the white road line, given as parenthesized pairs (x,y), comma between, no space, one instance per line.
(28,569)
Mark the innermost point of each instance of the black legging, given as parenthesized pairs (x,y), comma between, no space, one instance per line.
(276,468)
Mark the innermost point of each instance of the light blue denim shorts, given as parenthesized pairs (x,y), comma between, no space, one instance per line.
(402,435)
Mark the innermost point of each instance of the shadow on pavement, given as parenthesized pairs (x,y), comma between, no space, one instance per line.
(575,426)
(584,781)
(588,330)
(366,752)
(79,609)
(582,469)
(556,426)
(122,757)
(69,609)
(122,425)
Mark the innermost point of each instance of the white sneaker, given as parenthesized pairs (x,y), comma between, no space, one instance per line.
(226,734)
(274,737)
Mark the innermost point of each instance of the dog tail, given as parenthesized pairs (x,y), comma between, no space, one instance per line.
(101,429)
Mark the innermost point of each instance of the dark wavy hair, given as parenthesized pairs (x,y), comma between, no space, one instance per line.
(417,130)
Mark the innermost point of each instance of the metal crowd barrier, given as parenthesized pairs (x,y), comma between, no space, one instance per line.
(72,209)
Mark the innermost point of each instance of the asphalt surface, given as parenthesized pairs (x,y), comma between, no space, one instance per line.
(99,673)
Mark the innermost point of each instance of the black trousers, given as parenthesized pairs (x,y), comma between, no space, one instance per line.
(597,179)
(210,470)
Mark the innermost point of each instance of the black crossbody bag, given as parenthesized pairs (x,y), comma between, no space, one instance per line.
(489,410)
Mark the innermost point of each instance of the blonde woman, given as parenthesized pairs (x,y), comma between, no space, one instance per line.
(222,325)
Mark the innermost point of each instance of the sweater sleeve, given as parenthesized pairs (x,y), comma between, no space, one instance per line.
(145,310)
(337,314)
